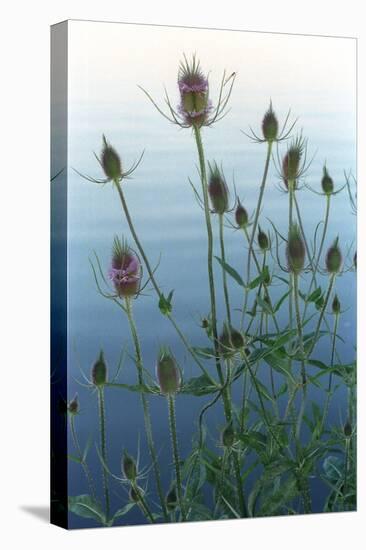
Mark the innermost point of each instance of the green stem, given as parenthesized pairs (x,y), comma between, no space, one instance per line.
(322,312)
(101,406)
(239,484)
(255,224)
(224,277)
(145,407)
(302,353)
(203,177)
(154,282)
(330,380)
(173,433)
(83,463)
(142,502)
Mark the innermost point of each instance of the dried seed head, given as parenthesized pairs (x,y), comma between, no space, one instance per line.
(168,373)
(263,240)
(125,270)
(241,216)
(74,406)
(228,435)
(128,465)
(99,371)
(336,305)
(333,260)
(270,125)
(218,190)
(171,499)
(327,182)
(295,250)
(347,429)
(110,161)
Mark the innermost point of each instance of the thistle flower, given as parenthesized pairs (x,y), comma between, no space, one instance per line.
(333,260)
(270,125)
(110,162)
(241,216)
(218,190)
(171,499)
(336,305)
(263,240)
(228,435)
(128,466)
(168,373)
(195,104)
(295,250)
(327,182)
(73,406)
(294,161)
(99,371)
(125,271)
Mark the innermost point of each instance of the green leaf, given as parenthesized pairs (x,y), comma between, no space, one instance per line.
(255,282)
(264,305)
(199,385)
(280,301)
(121,512)
(231,271)
(85,506)
(139,388)
(165,304)
(333,467)
(75,459)
(206,353)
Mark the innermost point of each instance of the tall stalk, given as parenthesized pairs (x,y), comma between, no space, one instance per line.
(203,177)
(83,463)
(224,277)
(255,223)
(145,407)
(173,434)
(101,407)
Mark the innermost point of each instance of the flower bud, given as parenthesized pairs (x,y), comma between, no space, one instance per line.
(218,191)
(110,161)
(347,429)
(168,373)
(171,499)
(129,469)
(263,240)
(295,250)
(241,216)
(99,371)
(333,260)
(73,406)
(327,182)
(194,104)
(228,435)
(237,339)
(291,163)
(270,125)
(336,305)
(230,340)
(205,323)
(125,270)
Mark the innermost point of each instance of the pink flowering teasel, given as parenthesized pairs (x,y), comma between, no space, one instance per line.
(125,271)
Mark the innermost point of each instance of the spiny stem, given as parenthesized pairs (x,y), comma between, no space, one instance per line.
(145,407)
(224,278)
(255,223)
(203,177)
(142,502)
(302,353)
(154,282)
(330,380)
(101,406)
(173,433)
(239,485)
(81,458)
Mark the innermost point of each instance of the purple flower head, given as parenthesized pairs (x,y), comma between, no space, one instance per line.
(125,271)
(194,104)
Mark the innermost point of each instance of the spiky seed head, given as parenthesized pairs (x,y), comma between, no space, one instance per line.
(168,373)
(291,163)
(263,240)
(347,429)
(129,468)
(333,260)
(193,87)
(295,250)
(228,435)
(125,270)
(99,371)
(237,338)
(218,190)
(74,406)
(327,182)
(111,162)
(336,305)
(241,216)
(270,125)
(171,499)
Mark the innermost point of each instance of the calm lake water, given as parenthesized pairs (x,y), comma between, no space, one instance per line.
(171,224)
